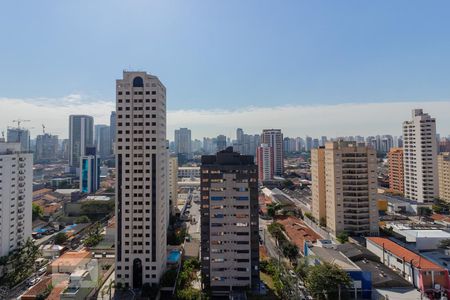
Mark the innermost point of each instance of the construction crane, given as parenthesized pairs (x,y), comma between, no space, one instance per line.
(43,129)
(19,121)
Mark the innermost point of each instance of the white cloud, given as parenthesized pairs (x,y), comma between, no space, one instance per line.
(313,120)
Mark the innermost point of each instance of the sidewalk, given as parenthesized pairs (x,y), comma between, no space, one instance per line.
(103,293)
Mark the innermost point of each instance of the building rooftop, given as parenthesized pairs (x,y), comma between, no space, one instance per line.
(66,191)
(334,256)
(71,258)
(298,231)
(401,252)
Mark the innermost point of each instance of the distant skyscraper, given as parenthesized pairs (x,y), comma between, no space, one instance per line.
(396,173)
(309,143)
(343,203)
(221,142)
(274,138)
(89,171)
(46,148)
(141,186)
(183,144)
(81,135)
(16,188)
(323,141)
(104,142)
(19,135)
(229,223)
(112,129)
(264,160)
(315,143)
(419,157)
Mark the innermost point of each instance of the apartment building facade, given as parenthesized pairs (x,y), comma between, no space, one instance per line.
(274,138)
(444,176)
(141,196)
(349,180)
(265,162)
(396,174)
(229,222)
(420,157)
(16,188)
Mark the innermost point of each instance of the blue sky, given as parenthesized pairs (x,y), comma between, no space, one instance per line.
(229,54)
(224,54)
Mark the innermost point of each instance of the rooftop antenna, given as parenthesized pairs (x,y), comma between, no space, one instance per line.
(43,129)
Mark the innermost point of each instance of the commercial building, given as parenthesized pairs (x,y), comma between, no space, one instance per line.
(274,138)
(396,174)
(229,222)
(90,171)
(173,184)
(425,275)
(183,142)
(419,157)
(16,189)
(141,179)
(344,173)
(444,176)
(265,161)
(19,135)
(46,148)
(221,142)
(81,135)
(103,140)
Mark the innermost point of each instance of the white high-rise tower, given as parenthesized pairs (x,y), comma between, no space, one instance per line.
(141,179)
(420,157)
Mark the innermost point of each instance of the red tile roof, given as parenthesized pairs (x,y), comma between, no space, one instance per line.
(298,231)
(401,252)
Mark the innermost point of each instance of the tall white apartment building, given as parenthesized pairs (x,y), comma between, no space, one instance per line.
(16,189)
(420,157)
(264,161)
(274,138)
(141,164)
(183,141)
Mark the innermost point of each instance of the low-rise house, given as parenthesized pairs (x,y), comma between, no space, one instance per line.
(425,275)
(326,251)
(297,231)
(51,251)
(70,261)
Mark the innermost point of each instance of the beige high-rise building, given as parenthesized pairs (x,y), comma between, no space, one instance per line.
(141,182)
(444,176)
(345,180)
(396,174)
(173,184)
(318,184)
(419,157)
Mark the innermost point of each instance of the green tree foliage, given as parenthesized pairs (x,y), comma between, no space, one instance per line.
(94,236)
(168,278)
(424,212)
(44,294)
(60,238)
(273,208)
(325,280)
(82,220)
(290,251)
(342,237)
(276,230)
(176,237)
(38,212)
(21,263)
(185,278)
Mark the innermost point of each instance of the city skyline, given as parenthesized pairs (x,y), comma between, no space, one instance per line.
(312,120)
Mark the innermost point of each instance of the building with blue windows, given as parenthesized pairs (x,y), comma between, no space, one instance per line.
(89,171)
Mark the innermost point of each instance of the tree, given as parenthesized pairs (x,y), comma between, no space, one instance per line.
(94,236)
(82,219)
(424,211)
(325,281)
(290,251)
(444,244)
(60,238)
(273,208)
(38,212)
(342,237)
(276,230)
